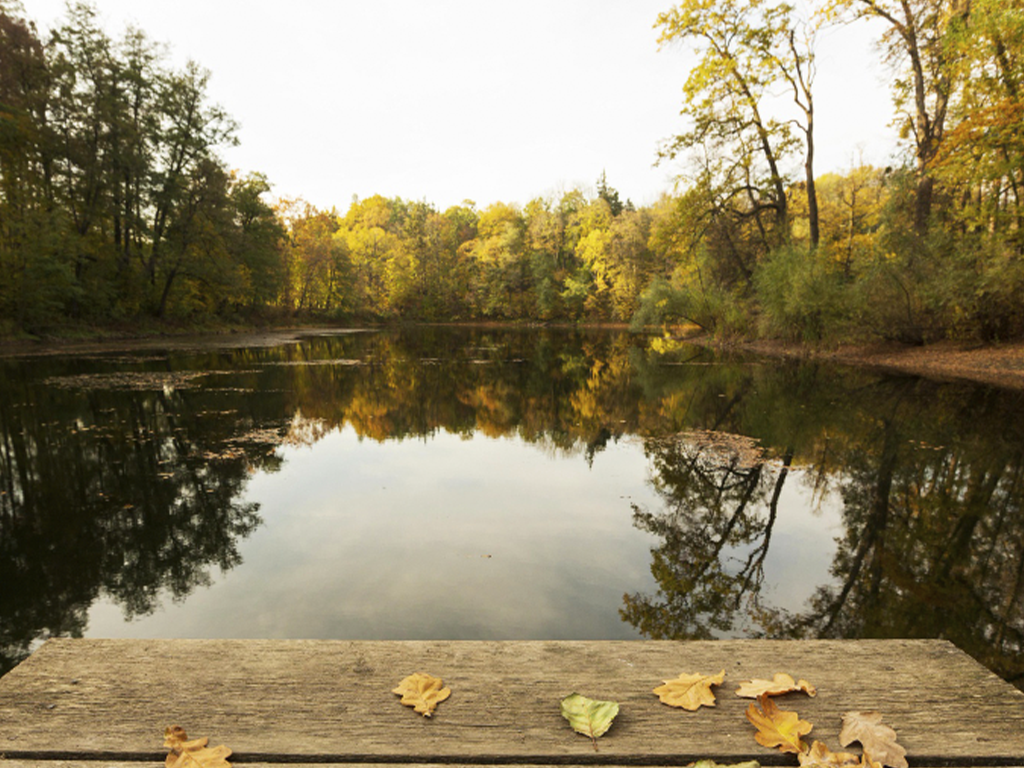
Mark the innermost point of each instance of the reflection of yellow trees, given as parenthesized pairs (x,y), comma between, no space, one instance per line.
(303,431)
(493,406)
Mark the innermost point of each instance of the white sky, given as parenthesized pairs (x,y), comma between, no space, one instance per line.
(446,100)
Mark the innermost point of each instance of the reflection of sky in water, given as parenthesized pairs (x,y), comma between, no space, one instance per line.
(455,538)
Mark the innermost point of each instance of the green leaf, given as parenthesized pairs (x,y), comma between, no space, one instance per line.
(588,716)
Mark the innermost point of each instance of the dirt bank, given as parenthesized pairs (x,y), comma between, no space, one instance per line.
(1001,365)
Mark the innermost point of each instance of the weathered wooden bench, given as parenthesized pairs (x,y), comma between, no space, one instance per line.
(76,702)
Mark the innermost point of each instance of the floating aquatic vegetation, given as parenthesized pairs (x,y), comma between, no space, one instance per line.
(344,361)
(133,380)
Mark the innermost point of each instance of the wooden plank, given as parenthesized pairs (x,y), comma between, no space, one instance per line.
(330,701)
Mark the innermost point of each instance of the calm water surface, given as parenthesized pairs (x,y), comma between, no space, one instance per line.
(476,484)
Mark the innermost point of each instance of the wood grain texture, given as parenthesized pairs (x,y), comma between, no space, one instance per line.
(331,701)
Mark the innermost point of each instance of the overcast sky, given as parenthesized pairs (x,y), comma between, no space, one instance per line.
(447,100)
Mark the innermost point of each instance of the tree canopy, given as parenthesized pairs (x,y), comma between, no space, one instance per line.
(117,207)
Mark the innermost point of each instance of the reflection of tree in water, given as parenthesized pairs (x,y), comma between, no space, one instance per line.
(933,547)
(721,497)
(931,481)
(127,495)
(134,494)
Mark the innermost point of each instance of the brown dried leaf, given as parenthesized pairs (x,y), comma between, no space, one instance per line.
(690,692)
(820,756)
(776,727)
(879,741)
(422,692)
(779,684)
(193,754)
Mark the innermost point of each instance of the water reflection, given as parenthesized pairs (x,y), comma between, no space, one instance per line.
(929,478)
(129,479)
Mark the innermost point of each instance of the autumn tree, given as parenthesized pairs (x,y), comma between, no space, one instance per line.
(918,45)
(746,47)
(319,260)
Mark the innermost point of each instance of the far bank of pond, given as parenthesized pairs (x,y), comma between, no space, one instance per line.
(503,484)
(997,364)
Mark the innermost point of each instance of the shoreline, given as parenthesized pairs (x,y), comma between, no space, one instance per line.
(1000,365)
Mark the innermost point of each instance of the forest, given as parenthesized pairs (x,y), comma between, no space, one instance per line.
(117,209)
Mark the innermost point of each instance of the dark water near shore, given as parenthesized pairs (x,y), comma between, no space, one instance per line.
(487,484)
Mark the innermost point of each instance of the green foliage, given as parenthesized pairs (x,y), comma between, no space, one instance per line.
(589,717)
(113,201)
(802,295)
(668,303)
(115,205)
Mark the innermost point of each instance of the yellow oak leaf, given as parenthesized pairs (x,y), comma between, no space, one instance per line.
(422,692)
(820,756)
(776,727)
(192,754)
(879,741)
(690,692)
(779,684)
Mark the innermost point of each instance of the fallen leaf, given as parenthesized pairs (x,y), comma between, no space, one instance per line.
(776,727)
(690,692)
(878,741)
(820,756)
(193,754)
(588,716)
(713,764)
(779,684)
(422,692)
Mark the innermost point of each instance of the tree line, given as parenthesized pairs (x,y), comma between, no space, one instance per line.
(115,205)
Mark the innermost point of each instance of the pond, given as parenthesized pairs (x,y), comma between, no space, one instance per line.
(504,484)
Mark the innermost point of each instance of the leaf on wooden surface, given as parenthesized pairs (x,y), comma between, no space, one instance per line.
(193,754)
(777,727)
(422,692)
(590,717)
(779,684)
(820,756)
(690,692)
(878,741)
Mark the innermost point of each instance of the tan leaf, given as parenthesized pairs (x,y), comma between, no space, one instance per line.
(590,717)
(878,741)
(779,684)
(776,727)
(192,754)
(820,756)
(690,692)
(422,692)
